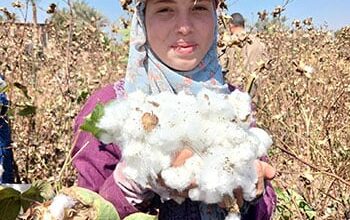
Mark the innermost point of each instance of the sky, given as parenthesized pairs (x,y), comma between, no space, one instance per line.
(326,13)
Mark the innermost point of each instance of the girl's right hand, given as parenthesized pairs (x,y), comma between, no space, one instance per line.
(181,157)
(179,160)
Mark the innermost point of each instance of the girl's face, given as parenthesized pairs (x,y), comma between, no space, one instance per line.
(180,32)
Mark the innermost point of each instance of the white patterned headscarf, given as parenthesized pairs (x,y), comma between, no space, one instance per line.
(147,73)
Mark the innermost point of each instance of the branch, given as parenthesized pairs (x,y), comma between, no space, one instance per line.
(286,2)
(309,164)
(68,49)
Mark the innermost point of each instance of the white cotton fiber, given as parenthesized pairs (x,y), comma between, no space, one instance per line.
(59,204)
(264,139)
(216,127)
(233,216)
(181,177)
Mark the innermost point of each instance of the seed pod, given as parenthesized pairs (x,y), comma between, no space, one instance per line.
(149,121)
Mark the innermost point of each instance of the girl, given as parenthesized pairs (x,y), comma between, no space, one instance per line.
(172,48)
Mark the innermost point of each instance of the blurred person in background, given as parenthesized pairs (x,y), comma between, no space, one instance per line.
(6,155)
(242,60)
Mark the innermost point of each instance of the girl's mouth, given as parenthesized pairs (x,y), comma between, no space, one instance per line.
(184,48)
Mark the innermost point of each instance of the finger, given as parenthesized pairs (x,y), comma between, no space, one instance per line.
(268,171)
(175,193)
(181,157)
(260,186)
(193,184)
(264,171)
(239,196)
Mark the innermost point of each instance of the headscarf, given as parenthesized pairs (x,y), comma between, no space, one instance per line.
(149,74)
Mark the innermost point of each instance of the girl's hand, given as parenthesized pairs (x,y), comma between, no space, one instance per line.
(181,157)
(179,160)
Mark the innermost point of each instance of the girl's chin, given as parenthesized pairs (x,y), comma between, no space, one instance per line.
(183,65)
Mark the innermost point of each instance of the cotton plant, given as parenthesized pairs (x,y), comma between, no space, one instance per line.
(72,203)
(56,210)
(151,129)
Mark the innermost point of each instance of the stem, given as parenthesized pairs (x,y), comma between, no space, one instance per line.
(309,164)
(68,49)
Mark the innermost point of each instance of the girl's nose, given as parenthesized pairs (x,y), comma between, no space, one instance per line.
(184,25)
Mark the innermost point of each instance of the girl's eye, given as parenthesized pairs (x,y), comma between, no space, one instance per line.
(164,10)
(199,8)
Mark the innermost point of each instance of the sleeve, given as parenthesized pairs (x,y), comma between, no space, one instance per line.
(265,207)
(94,161)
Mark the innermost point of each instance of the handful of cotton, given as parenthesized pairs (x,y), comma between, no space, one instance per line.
(151,129)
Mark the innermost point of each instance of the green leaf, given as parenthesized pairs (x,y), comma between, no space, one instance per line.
(82,96)
(125,33)
(90,123)
(39,191)
(45,188)
(4,89)
(10,203)
(282,195)
(283,205)
(302,204)
(23,89)
(27,110)
(140,216)
(102,208)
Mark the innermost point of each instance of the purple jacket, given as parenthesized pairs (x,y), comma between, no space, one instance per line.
(95,163)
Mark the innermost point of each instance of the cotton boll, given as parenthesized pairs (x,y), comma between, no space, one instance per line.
(233,216)
(132,127)
(237,134)
(136,172)
(135,99)
(215,126)
(241,103)
(133,174)
(223,172)
(213,106)
(180,178)
(145,160)
(204,102)
(165,135)
(59,204)
(199,140)
(133,148)
(106,138)
(159,98)
(156,160)
(196,194)
(215,133)
(247,150)
(264,138)
(165,138)
(247,180)
(213,176)
(110,121)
